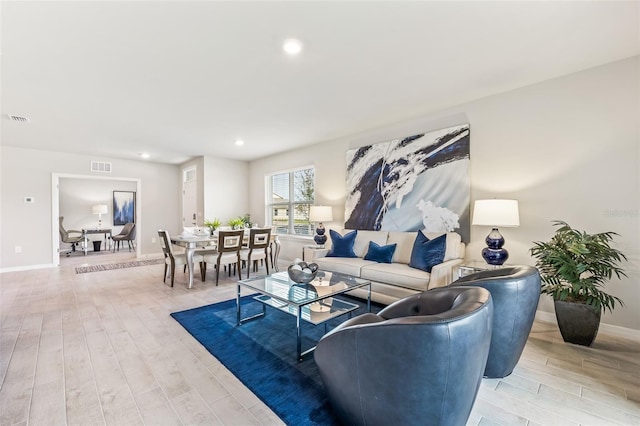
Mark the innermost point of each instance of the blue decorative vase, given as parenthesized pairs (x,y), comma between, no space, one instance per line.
(494,254)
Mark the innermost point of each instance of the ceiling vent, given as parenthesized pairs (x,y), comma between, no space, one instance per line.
(18,118)
(101,167)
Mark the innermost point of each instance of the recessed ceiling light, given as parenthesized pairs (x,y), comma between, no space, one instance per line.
(239,142)
(292,46)
(144,155)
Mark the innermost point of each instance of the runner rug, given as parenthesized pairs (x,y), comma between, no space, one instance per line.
(262,355)
(121,265)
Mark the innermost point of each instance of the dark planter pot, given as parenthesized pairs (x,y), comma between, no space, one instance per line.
(578,322)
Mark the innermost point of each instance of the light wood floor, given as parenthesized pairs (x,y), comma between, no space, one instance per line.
(101,348)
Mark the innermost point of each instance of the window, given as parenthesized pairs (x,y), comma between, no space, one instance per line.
(289,196)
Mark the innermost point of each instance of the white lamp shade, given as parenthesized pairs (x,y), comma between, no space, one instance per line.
(496,213)
(99,209)
(320,214)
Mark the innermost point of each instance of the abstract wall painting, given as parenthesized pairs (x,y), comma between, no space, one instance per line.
(124,207)
(417,182)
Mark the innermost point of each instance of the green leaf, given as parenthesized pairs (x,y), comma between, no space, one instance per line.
(576,265)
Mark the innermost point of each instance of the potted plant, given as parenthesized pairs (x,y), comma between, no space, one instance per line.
(212,224)
(236,223)
(246,220)
(575,266)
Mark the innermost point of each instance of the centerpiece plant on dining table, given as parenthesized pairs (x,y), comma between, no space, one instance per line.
(212,224)
(236,223)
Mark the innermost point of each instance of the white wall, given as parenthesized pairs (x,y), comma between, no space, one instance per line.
(567,149)
(26,172)
(225,189)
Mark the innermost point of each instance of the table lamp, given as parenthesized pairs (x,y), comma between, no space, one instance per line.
(320,214)
(495,213)
(99,209)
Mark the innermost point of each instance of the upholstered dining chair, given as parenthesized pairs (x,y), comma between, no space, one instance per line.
(228,253)
(515,291)
(172,259)
(128,234)
(419,361)
(66,237)
(257,249)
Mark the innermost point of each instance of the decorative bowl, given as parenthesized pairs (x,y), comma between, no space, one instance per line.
(301,277)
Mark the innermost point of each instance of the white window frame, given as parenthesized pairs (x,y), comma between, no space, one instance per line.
(269,204)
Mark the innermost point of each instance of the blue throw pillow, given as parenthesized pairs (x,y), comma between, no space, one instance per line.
(342,246)
(380,254)
(427,253)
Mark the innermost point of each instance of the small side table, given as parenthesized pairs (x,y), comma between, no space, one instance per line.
(473,266)
(311,250)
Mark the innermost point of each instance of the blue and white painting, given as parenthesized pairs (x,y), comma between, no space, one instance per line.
(124,207)
(417,182)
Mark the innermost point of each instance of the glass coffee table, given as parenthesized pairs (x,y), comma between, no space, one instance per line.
(314,302)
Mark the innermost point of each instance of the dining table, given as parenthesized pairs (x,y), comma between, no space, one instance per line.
(192,242)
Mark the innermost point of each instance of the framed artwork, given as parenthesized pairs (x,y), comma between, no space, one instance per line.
(124,207)
(413,183)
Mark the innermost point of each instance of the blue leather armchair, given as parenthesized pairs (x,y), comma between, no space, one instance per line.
(419,361)
(516,292)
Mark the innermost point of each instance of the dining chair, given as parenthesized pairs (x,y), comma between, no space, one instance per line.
(229,245)
(66,237)
(172,259)
(258,249)
(128,234)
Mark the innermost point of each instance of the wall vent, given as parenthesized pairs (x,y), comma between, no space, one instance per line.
(18,118)
(101,167)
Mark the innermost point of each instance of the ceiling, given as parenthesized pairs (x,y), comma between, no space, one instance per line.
(182,79)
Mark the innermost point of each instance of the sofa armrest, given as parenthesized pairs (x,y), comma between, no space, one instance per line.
(444,273)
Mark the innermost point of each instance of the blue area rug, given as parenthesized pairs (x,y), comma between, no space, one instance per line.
(262,355)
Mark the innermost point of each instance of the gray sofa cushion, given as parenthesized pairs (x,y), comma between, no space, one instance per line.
(404,241)
(345,265)
(361,244)
(396,274)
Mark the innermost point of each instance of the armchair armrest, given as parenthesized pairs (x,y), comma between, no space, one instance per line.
(71,231)
(444,274)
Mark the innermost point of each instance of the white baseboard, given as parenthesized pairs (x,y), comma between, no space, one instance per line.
(26,268)
(612,330)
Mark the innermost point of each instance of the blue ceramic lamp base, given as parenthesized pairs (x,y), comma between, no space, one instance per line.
(320,238)
(494,254)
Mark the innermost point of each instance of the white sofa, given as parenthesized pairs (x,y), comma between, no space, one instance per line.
(393,281)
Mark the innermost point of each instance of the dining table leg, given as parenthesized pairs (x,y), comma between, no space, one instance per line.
(189,251)
(275,251)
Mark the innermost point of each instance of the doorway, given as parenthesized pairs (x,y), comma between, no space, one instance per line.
(189,197)
(55,210)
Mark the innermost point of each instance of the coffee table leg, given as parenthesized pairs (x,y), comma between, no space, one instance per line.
(239,319)
(299,331)
(369,299)
(238,305)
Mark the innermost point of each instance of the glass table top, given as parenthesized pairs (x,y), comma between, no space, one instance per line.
(326,284)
